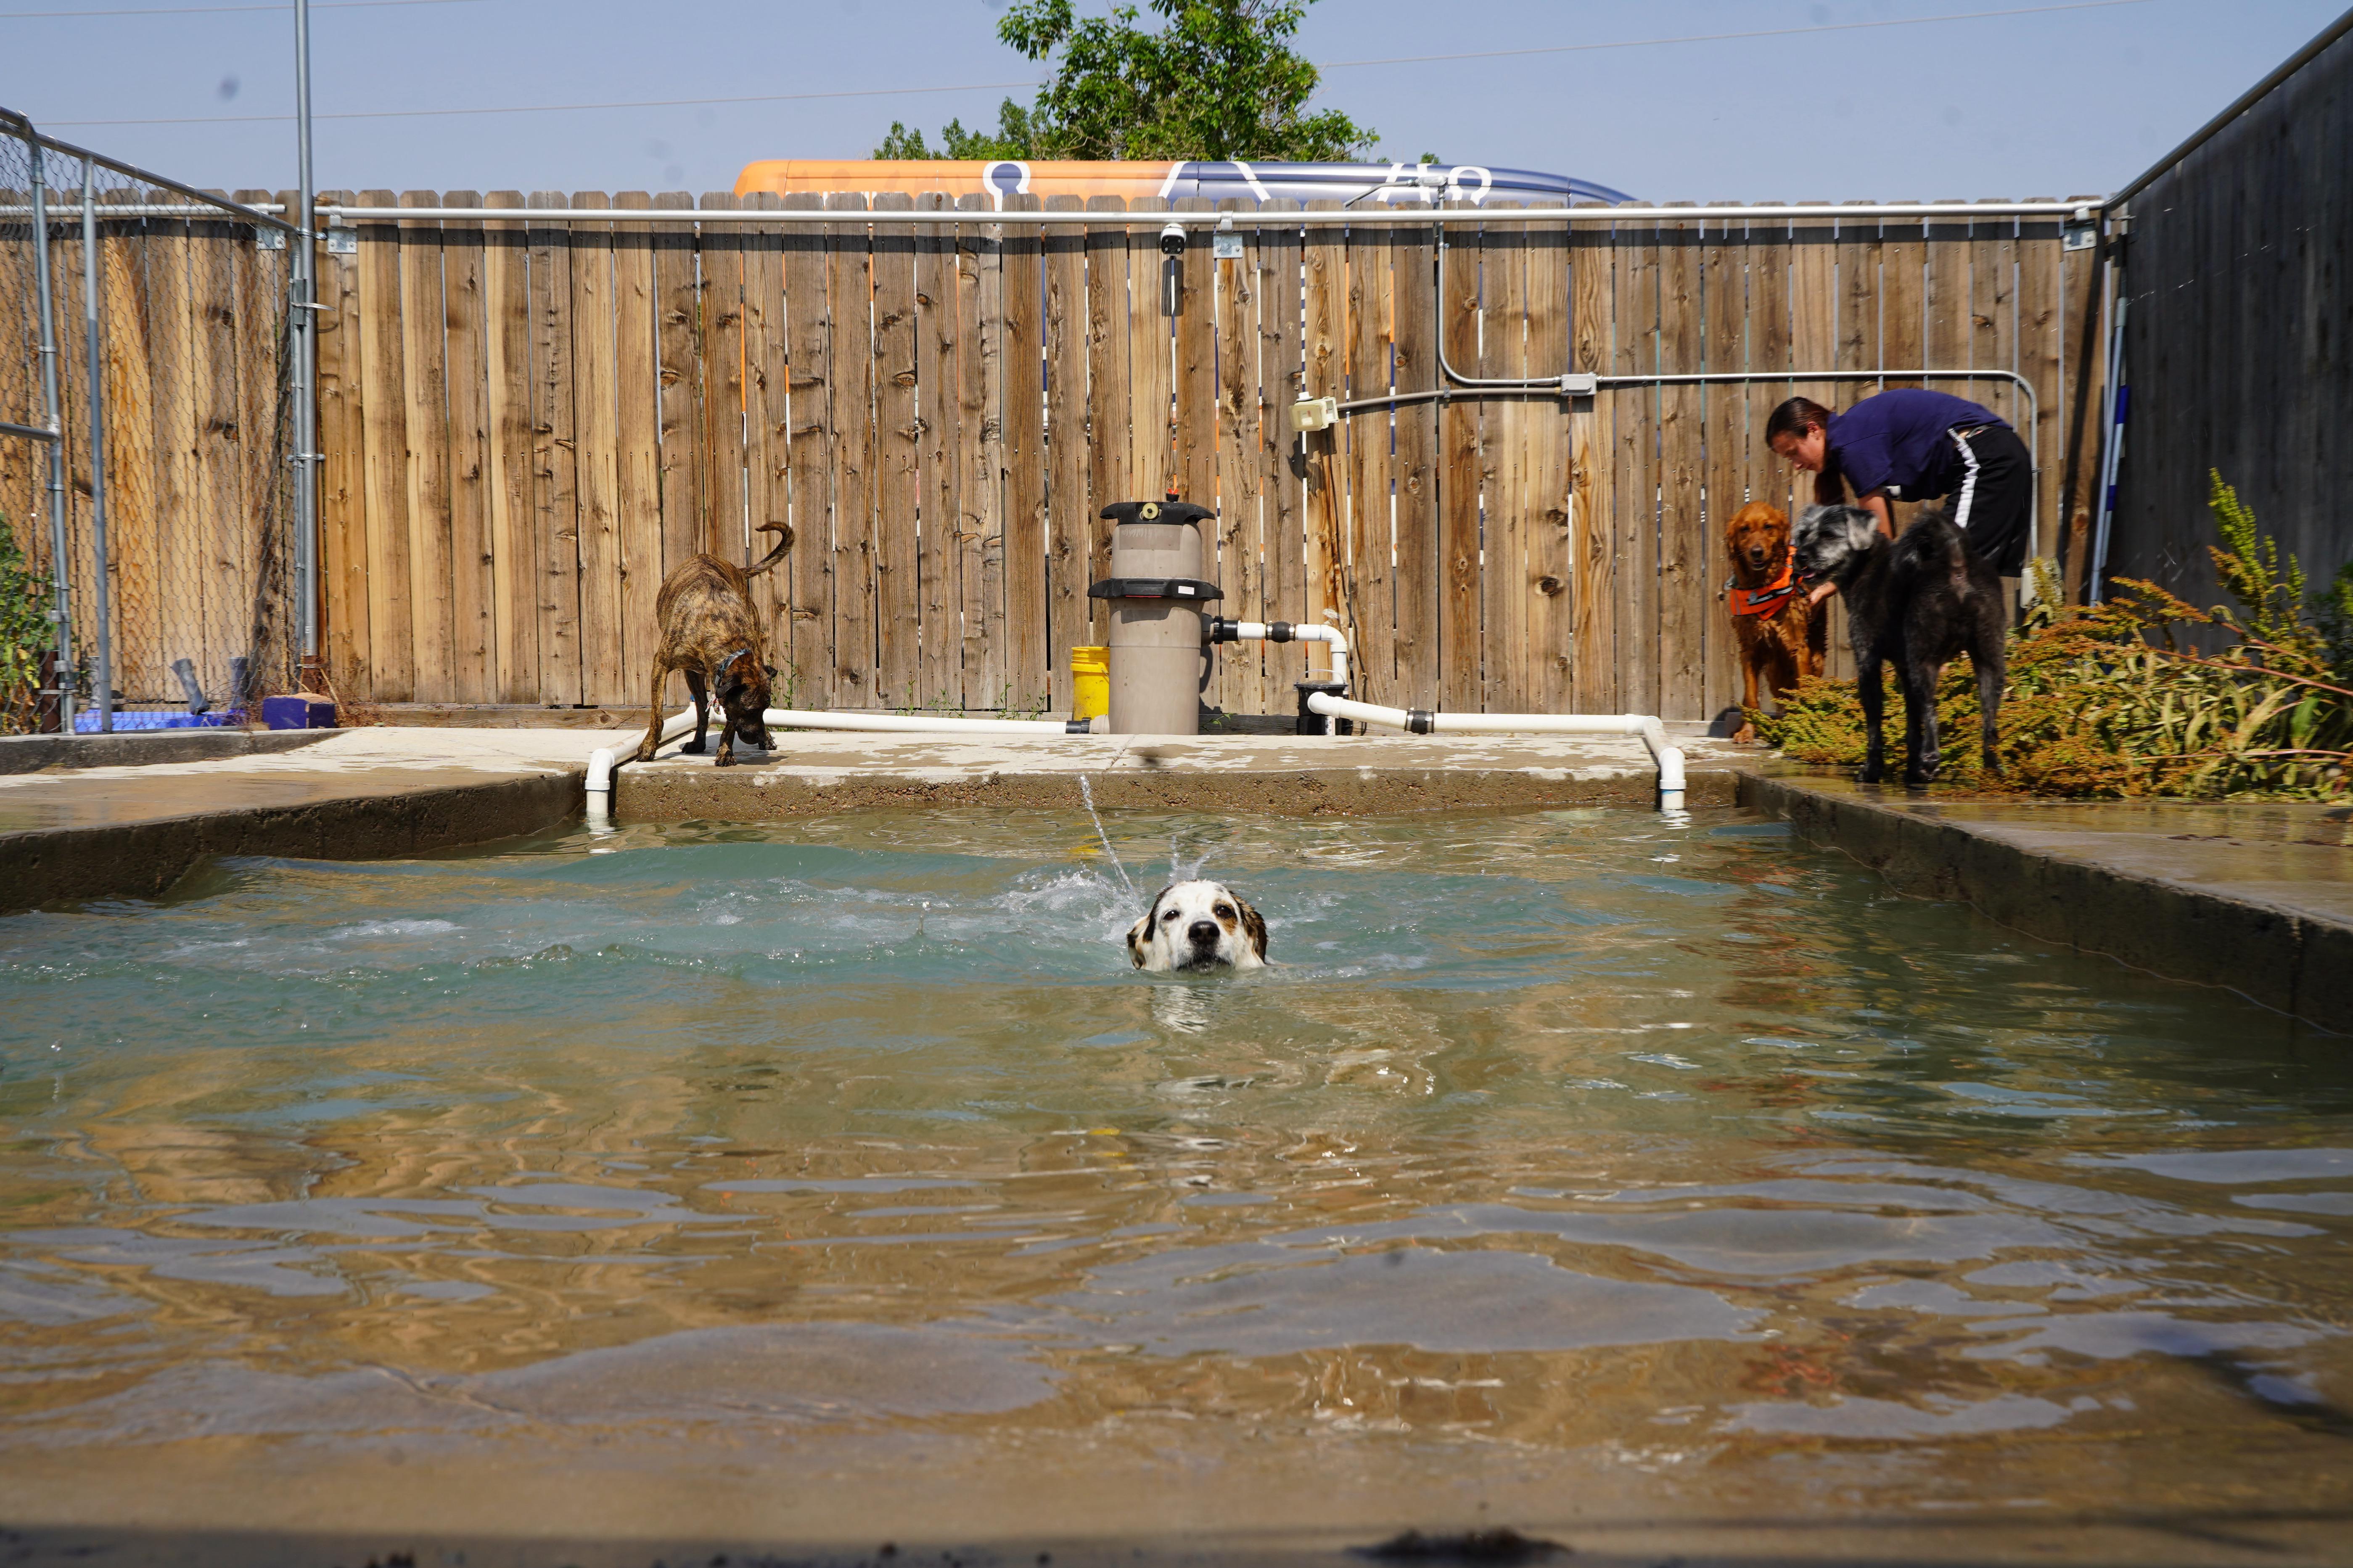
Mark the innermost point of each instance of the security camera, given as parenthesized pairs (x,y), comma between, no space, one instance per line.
(1172,239)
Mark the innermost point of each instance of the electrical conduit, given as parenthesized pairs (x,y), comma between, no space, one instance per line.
(1653,733)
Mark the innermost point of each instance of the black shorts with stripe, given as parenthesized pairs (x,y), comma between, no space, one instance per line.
(1994,503)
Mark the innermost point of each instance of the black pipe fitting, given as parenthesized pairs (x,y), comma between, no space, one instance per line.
(1310,723)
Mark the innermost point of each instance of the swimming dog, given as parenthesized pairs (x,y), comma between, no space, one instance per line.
(1920,602)
(710,630)
(1781,635)
(1198,925)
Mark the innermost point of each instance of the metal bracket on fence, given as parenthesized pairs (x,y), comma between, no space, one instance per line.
(268,239)
(341,241)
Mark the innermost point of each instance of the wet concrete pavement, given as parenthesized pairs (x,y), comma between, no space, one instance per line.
(1285,775)
(131,831)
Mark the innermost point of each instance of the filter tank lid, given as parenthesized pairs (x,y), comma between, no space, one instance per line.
(1169,510)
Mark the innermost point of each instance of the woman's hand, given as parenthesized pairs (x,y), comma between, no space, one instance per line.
(1818,592)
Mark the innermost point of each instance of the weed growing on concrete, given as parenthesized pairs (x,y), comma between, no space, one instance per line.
(2109,700)
(1006,707)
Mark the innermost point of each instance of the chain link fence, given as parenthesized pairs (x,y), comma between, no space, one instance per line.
(158,538)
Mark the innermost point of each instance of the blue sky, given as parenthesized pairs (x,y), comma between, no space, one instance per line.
(2061,101)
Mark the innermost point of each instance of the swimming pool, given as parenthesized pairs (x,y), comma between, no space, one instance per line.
(1573,1158)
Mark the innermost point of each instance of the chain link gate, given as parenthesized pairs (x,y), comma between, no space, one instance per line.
(144,342)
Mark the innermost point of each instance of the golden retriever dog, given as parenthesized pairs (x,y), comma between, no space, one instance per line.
(1782,635)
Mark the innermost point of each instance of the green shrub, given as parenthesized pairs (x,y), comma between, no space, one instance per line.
(2106,701)
(25,634)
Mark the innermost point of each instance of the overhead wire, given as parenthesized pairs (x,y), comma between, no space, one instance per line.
(1005,85)
(217,10)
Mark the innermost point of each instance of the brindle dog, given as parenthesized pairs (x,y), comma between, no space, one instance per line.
(1920,602)
(710,630)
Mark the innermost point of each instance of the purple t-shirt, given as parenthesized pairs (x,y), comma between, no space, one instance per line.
(1898,441)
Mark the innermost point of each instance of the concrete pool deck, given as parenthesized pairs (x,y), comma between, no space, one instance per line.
(2258,898)
(75,831)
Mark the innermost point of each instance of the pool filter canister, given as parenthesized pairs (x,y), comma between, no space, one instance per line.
(1157,593)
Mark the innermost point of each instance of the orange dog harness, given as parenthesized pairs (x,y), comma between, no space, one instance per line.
(1765,601)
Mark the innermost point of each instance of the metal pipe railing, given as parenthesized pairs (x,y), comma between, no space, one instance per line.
(1557,387)
(302,332)
(95,391)
(1591,212)
(250,214)
(45,299)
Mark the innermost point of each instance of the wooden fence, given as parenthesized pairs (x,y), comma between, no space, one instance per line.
(527,422)
(2238,335)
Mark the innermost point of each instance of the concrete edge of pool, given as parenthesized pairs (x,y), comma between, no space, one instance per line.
(2255,908)
(2264,906)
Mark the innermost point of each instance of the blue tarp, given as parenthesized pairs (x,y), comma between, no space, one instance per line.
(86,722)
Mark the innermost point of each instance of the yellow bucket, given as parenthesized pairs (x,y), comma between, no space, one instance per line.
(1090,682)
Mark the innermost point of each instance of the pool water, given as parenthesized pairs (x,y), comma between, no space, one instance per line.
(1675,1161)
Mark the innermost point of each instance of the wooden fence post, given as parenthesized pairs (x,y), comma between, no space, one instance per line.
(474,644)
(1324,367)
(898,454)
(1021,362)
(554,482)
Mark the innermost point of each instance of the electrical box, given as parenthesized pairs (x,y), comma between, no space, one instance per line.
(1316,413)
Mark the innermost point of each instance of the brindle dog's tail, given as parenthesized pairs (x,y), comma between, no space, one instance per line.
(784,541)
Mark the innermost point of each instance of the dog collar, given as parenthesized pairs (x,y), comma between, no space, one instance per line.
(1772,596)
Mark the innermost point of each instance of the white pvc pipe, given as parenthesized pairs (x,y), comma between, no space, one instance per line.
(1591,212)
(1653,734)
(1301,631)
(921,724)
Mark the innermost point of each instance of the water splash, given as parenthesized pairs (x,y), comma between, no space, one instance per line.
(1087,793)
(1181,869)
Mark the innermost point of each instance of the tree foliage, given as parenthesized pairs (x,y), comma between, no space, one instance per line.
(1219,80)
(2106,701)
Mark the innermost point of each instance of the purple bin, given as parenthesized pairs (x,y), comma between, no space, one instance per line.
(299,711)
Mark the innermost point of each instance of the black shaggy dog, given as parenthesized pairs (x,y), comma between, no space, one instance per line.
(1920,602)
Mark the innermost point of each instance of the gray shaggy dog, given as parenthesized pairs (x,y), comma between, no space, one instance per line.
(1919,602)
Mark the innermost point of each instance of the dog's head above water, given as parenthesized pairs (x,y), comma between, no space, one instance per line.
(1833,540)
(1198,925)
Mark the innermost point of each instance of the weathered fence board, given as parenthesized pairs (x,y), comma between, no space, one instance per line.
(528,424)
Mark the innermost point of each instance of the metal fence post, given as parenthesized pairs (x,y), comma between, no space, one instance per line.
(305,324)
(101,585)
(60,562)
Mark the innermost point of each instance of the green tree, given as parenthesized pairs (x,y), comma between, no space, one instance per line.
(1219,80)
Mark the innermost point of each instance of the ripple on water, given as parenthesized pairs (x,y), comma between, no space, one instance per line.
(1545,1127)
